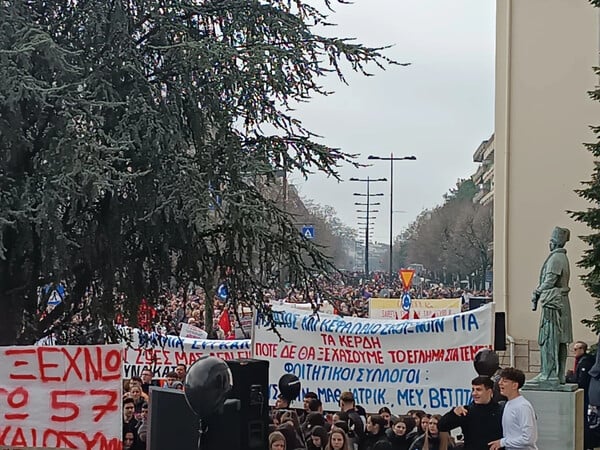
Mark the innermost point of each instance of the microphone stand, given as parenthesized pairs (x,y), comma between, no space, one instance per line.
(202,429)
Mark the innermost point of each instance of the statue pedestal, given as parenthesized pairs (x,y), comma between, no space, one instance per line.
(559,416)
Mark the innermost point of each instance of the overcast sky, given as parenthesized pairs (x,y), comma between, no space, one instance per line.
(439,109)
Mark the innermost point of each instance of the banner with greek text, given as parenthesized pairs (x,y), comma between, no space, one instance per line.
(410,364)
(61,397)
(161,353)
(324,307)
(191,331)
(422,308)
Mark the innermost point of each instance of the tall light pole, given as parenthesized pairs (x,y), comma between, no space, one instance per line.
(391,159)
(368,181)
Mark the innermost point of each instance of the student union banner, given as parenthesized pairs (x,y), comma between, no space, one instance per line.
(410,364)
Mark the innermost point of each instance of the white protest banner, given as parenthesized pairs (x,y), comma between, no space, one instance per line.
(242,324)
(28,448)
(161,353)
(192,331)
(421,308)
(410,364)
(243,328)
(61,397)
(426,308)
(324,307)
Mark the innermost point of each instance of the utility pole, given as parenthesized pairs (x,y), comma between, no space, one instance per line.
(368,181)
(391,159)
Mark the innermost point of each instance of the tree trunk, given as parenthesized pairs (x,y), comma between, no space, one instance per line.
(210,285)
(209,309)
(9,319)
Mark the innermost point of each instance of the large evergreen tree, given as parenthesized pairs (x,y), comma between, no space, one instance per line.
(591,217)
(131,136)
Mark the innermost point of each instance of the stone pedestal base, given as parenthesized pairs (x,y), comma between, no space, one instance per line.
(559,418)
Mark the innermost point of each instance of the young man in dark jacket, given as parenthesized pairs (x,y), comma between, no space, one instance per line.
(481,421)
(582,375)
(356,426)
(583,363)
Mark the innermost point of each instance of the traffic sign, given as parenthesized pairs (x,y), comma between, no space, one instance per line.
(308,231)
(406,275)
(223,292)
(56,296)
(54,299)
(406,302)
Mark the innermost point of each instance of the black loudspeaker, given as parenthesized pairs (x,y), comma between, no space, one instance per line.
(221,429)
(251,387)
(477,302)
(500,331)
(172,424)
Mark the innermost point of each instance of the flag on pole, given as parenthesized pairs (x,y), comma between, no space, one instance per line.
(225,322)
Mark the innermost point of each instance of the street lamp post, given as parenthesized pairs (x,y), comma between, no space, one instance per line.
(368,181)
(391,159)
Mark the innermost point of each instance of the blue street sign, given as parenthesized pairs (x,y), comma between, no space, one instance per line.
(56,296)
(54,299)
(216,197)
(406,302)
(223,292)
(308,231)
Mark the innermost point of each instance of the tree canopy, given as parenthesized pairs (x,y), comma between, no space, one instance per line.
(132,134)
(591,217)
(452,240)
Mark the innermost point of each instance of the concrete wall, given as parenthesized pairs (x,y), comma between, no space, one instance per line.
(544,57)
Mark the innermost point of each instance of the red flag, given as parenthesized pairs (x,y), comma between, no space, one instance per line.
(406,316)
(224,322)
(415,315)
(146,315)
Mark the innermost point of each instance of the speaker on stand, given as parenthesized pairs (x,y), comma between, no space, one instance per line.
(500,331)
(251,387)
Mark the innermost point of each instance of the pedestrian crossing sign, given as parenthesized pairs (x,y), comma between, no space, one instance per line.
(308,231)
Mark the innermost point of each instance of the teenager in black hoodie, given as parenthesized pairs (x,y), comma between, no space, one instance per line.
(375,432)
(401,435)
(317,439)
(481,421)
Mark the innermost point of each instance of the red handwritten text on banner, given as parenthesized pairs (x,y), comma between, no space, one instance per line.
(61,397)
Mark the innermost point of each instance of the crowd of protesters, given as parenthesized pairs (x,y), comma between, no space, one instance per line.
(136,391)
(348,296)
(351,428)
(309,428)
(483,424)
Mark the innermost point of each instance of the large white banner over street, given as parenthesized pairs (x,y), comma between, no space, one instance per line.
(411,364)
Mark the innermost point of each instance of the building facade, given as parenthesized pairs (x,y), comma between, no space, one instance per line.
(545,51)
(484,176)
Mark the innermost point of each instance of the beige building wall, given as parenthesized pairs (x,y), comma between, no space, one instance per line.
(545,50)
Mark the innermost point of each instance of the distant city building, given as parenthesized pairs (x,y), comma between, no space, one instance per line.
(484,177)
(378,257)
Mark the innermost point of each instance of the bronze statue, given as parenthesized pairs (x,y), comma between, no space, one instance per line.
(556,329)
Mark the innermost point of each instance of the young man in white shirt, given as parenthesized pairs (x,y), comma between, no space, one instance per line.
(519,423)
